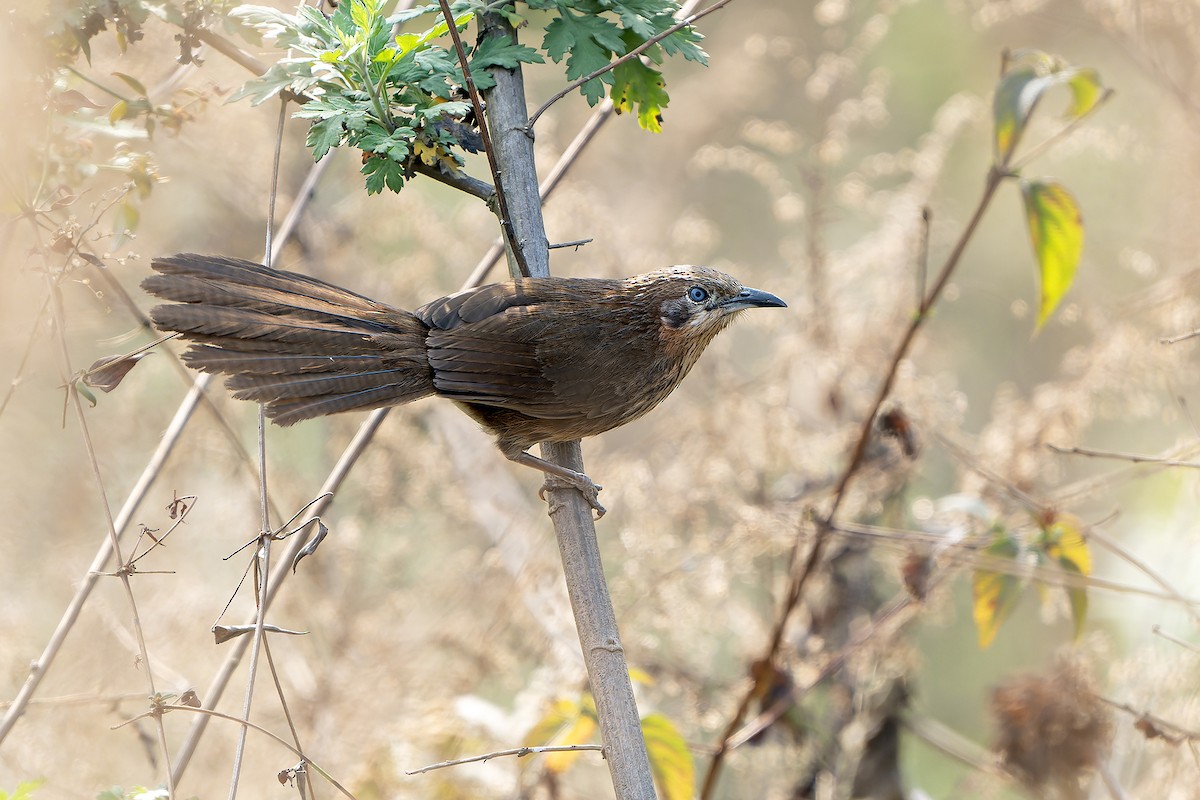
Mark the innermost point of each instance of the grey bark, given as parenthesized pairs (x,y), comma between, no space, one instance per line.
(620,724)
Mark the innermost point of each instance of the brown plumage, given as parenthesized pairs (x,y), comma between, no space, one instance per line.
(536,360)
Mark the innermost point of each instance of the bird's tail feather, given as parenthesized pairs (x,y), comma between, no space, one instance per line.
(304,347)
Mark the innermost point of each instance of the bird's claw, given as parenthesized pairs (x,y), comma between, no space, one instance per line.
(586,487)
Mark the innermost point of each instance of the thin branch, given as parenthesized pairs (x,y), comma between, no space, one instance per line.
(1158,631)
(206,713)
(1180,338)
(287,711)
(18,377)
(634,53)
(923,252)
(114,543)
(263,555)
(282,570)
(801,577)
(577,243)
(519,752)
(1061,133)
(1151,726)
(1130,457)
(231,51)
(477,104)
(66,624)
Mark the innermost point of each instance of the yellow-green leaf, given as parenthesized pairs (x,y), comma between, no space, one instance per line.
(1079,601)
(567,722)
(995,593)
(1056,231)
(1062,541)
(640,676)
(1028,74)
(641,88)
(407,41)
(1086,90)
(1015,98)
(670,760)
(118,112)
(132,83)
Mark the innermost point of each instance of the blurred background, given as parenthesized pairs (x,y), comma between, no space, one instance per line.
(799,161)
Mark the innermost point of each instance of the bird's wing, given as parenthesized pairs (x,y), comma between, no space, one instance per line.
(535,347)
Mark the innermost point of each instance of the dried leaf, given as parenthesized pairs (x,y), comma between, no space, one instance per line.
(312,544)
(223,633)
(107,373)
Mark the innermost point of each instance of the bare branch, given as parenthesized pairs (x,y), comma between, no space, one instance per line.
(519,752)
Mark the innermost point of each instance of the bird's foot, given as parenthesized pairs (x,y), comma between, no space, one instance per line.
(584,485)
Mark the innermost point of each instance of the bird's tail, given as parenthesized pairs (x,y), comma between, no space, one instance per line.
(304,347)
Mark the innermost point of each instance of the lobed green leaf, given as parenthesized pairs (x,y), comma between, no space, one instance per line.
(636,86)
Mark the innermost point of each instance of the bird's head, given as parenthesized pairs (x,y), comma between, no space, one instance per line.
(699,299)
(695,303)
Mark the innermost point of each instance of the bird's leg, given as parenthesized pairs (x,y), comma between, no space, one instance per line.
(558,477)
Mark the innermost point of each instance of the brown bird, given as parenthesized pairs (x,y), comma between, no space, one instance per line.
(532,360)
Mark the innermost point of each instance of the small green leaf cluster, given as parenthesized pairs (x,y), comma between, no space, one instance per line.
(394,97)
(399,97)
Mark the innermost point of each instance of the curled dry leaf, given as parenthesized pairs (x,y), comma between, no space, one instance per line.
(107,373)
(311,546)
(223,633)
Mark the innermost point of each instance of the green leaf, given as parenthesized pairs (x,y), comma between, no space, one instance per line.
(270,23)
(636,85)
(670,760)
(496,52)
(292,75)
(588,43)
(1056,231)
(381,172)
(323,135)
(995,592)
(394,145)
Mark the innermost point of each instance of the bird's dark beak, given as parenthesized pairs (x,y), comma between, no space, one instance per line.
(753,298)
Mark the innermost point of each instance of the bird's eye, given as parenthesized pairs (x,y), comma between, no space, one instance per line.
(697,295)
